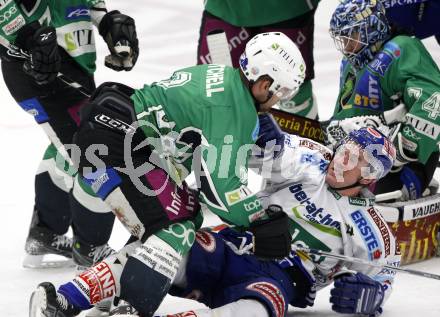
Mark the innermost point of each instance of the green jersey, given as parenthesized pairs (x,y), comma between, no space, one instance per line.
(258,12)
(403,71)
(72,20)
(203,119)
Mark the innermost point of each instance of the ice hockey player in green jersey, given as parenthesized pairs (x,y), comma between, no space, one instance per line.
(202,119)
(241,20)
(49,37)
(379,72)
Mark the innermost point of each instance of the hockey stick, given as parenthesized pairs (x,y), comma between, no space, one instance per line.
(16,50)
(366,262)
(218,47)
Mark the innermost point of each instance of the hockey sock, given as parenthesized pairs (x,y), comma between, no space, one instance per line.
(99,282)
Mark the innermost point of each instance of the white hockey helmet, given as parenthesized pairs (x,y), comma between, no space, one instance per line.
(277,56)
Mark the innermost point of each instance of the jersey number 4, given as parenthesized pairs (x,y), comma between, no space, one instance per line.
(432,106)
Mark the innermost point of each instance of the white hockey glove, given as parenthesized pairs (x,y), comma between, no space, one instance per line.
(404,146)
(339,129)
(385,123)
(119,32)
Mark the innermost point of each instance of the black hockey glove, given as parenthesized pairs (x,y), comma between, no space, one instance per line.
(272,239)
(40,42)
(119,32)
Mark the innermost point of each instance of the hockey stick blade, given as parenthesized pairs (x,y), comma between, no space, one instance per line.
(218,47)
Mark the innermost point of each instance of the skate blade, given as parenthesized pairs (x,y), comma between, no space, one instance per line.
(37,303)
(95,312)
(101,309)
(46,261)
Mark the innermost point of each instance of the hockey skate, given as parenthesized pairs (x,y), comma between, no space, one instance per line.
(85,255)
(46,249)
(121,308)
(101,309)
(45,302)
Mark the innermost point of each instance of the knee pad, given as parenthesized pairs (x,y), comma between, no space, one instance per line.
(148,274)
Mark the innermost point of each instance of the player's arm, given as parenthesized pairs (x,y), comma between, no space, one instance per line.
(416,75)
(278,156)
(364,290)
(98,9)
(223,188)
(119,32)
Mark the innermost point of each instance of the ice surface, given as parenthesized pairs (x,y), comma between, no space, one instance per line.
(168,32)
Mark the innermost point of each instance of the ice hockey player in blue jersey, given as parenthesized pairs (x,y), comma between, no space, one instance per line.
(230,282)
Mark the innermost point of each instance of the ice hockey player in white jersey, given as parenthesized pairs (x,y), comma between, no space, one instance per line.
(322,197)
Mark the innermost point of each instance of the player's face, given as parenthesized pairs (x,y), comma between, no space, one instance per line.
(348,42)
(352,44)
(346,167)
(260,90)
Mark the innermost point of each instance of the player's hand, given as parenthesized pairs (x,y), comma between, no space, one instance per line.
(272,238)
(338,129)
(119,32)
(270,137)
(305,284)
(404,140)
(239,242)
(356,294)
(40,42)
(412,184)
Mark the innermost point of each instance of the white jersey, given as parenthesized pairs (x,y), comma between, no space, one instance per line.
(323,219)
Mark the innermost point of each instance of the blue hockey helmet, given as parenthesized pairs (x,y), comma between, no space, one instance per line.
(378,150)
(359,28)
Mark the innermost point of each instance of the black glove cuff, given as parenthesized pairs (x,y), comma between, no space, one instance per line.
(106,23)
(271,236)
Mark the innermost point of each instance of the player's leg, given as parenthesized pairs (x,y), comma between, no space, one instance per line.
(242,307)
(52,216)
(141,195)
(140,273)
(300,30)
(224,281)
(49,221)
(92,224)
(97,283)
(55,108)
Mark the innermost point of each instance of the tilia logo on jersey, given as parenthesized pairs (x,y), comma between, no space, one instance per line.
(316,215)
(368,235)
(425,127)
